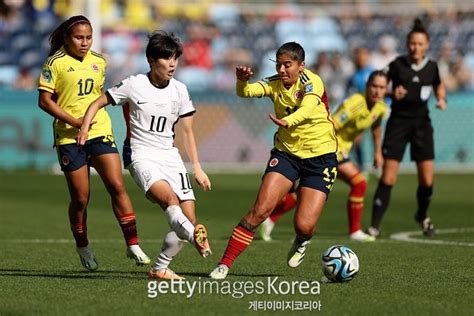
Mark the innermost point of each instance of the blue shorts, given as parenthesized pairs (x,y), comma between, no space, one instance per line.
(72,156)
(317,172)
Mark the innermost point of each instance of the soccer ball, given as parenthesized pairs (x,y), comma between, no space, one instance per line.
(339,263)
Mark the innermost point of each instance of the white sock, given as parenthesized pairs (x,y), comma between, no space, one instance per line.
(180,223)
(172,245)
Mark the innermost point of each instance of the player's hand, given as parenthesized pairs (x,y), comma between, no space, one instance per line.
(378,160)
(441,104)
(81,137)
(400,92)
(243,73)
(202,179)
(281,123)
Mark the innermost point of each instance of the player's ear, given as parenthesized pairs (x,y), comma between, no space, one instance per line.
(302,66)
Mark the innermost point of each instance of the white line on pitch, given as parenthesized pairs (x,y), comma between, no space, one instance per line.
(407,236)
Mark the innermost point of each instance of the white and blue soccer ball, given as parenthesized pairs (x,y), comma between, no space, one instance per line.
(340,263)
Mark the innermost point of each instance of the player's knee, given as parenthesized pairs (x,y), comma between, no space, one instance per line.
(116,188)
(80,202)
(359,187)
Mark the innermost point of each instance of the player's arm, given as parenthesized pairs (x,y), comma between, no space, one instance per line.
(440,91)
(47,103)
(92,110)
(309,103)
(341,116)
(200,176)
(246,89)
(377,139)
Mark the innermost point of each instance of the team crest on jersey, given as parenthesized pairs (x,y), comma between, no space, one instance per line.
(298,95)
(65,160)
(46,74)
(273,162)
(95,67)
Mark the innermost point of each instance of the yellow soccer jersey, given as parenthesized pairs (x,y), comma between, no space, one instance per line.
(353,117)
(304,106)
(75,85)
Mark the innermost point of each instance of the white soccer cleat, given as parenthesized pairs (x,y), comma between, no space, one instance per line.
(361,236)
(266,229)
(372,231)
(88,260)
(136,253)
(164,274)
(297,253)
(220,272)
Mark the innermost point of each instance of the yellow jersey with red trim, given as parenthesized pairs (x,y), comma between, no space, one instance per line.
(353,117)
(75,84)
(310,131)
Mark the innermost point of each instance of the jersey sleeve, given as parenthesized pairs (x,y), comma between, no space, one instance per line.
(436,77)
(120,92)
(186,104)
(47,79)
(257,89)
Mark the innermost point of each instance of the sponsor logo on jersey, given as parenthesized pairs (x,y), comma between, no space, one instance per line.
(273,162)
(95,67)
(46,74)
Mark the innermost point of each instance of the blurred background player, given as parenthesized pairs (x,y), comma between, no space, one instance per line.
(353,117)
(305,149)
(413,78)
(153,104)
(72,77)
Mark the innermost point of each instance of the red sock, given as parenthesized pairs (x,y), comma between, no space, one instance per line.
(238,242)
(286,204)
(129,228)
(79,232)
(355,204)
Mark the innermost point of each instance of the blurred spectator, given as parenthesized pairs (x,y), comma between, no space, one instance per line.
(387,51)
(196,48)
(363,68)
(25,80)
(283,10)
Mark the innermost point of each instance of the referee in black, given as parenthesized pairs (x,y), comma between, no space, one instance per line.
(413,77)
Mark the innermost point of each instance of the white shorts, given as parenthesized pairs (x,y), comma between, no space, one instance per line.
(166,166)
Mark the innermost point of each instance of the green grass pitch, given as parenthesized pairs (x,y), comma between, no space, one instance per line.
(40,273)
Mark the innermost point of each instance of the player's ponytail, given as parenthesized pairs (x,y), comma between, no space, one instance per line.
(418,27)
(56,39)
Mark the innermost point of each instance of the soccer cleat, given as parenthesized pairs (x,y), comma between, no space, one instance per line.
(164,274)
(201,241)
(372,231)
(87,258)
(220,272)
(296,253)
(136,253)
(265,230)
(427,226)
(361,236)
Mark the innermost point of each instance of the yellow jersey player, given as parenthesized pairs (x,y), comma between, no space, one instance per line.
(72,77)
(305,149)
(354,116)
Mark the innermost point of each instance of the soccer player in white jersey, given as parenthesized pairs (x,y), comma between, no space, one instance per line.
(153,104)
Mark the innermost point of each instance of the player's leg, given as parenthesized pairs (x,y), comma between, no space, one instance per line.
(350,174)
(172,245)
(109,168)
(72,159)
(317,178)
(274,186)
(397,135)
(422,151)
(78,185)
(283,207)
